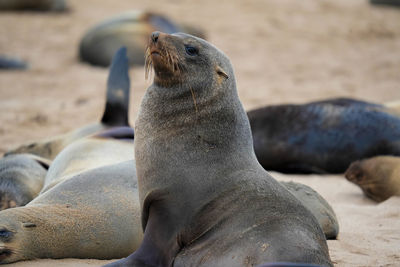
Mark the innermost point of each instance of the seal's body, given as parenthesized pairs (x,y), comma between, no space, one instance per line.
(378,177)
(130,29)
(21,179)
(324,136)
(205,199)
(84,155)
(318,206)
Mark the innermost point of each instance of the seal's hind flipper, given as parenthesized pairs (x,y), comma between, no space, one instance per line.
(118,86)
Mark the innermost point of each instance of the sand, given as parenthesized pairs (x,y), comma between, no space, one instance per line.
(283,51)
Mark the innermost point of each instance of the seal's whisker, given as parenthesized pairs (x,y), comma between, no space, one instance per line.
(194,100)
(148,63)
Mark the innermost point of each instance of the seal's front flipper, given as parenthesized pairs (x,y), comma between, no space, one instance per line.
(118,87)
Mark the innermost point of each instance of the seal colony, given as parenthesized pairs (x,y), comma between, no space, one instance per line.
(323,136)
(205,199)
(22,170)
(90,212)
(88,206)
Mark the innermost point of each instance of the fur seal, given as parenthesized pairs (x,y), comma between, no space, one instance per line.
(323,136)
(21,179)
(318,206)
(21,176)
(80,213)
(395,3)
(116,112)
(35,5)
(378,177)
(130,29)
(205,199)
(9,63)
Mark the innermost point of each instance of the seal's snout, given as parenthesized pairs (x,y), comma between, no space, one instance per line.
(4,254)
(154,37)
(354,173)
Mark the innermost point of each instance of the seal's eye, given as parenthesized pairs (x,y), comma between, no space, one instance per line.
(5,234)
(191,51)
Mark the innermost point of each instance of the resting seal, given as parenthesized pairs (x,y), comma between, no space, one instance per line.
(9,63)
(88,208)
(130,29)
(35,5)
(323,136)
(378,177)
(385,2)
(21,179)
(205,200)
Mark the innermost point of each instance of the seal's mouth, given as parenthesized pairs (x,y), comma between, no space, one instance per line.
(4,253)
(154,52)
(163,57)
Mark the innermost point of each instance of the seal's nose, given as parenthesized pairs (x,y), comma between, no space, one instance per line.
(154,36)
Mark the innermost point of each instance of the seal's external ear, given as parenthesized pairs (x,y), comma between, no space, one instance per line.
(221,72)
(28,225)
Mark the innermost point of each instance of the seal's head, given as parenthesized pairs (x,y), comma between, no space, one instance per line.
(372,176)
(179,58)
(21,178)
(10,248)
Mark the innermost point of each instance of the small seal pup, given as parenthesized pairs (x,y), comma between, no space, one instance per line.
(378,177)
(116,112)
(130,29)
(323,136)
(205,200)
(88,207)
(21,179)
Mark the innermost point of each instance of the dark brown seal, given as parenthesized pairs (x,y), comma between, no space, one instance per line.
(205,199)
(323,136)
(378,177)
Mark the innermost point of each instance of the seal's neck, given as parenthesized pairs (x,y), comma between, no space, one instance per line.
(190,143)
(197,120)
